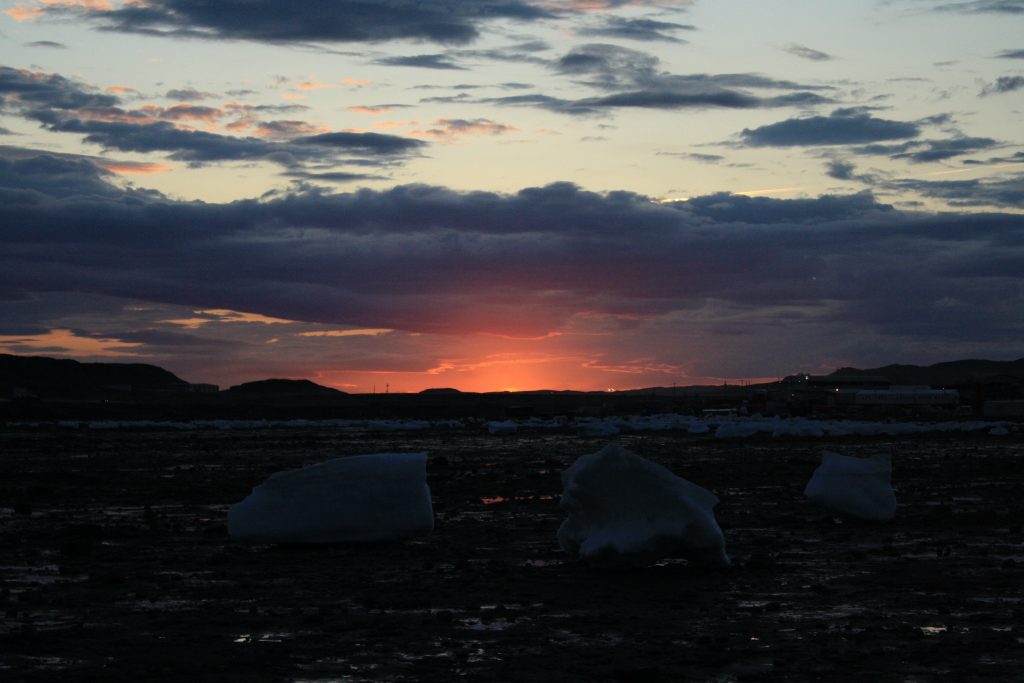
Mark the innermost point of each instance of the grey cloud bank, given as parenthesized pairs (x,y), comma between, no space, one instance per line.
(429,259)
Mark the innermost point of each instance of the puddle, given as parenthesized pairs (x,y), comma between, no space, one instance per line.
(515,499)
(933,630)
(250,638)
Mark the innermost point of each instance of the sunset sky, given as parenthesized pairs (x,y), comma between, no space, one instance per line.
(511,194)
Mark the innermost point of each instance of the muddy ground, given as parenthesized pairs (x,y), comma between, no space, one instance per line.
(115,565)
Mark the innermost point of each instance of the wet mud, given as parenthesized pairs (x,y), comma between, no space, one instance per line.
(115,565)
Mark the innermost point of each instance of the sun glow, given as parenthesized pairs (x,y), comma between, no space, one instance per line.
(61,342)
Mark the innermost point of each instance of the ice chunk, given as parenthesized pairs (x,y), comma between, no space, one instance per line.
(378,497)
(859,487)
(502,427)
(739,429)
(592,427)
(625,510)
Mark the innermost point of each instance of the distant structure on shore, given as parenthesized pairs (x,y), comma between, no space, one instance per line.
(969,388)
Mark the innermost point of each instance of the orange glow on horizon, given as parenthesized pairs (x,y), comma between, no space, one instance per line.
(511,372)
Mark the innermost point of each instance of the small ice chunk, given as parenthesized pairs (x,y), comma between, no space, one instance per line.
(740,429)
(625,510)
(596,428)
(379,497)
(859,487)
(698,427)
(502,427)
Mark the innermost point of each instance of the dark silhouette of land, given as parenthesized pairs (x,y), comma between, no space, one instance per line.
(41,388)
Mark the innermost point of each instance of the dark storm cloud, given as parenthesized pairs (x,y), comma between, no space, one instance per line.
(608,66)
(47,43)
(1015,158)
(939,150)
(31,89)
(420,61)
(200,147)
(157,337)
(840,169)
(612,66)
(188,95)
(696,98)
(428,259)
(521,53)
(16,330)
(363,143)
(636,29)
(633,79)
(64,106)
(804,52)
(696,156)
(1004,192)
(55,175)
(333,176)
(842,127)
(921,151)
(669,99)
(984,7)
(1003,84)
(317,21)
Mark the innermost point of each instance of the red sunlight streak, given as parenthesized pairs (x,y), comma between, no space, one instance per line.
(134,168)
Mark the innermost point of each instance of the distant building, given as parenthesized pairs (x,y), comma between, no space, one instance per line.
(1004,410)
(907,396)
(805,394)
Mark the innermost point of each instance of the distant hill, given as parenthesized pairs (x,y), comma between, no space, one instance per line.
(284,387)
(943,374)
(441,391)
(61,376)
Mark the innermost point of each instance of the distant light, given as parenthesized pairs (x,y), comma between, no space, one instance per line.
(610,391)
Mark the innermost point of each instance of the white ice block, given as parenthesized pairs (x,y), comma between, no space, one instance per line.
(859,487)
(625,510)
(379,497)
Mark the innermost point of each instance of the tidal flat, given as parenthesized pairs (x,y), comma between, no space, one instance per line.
(115,564)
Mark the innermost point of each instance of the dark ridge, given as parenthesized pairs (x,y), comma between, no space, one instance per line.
(443,391)
(958,372)
(284,387)
(61,376)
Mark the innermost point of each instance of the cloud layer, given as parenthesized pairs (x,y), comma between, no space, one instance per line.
(428,259)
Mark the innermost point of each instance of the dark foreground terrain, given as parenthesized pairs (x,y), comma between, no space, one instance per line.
(116,566)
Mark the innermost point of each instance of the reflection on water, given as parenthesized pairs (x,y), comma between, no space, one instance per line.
(513,499)
(249,638)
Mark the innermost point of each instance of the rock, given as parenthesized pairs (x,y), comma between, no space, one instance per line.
(625,510)
(380,497)
(859,487)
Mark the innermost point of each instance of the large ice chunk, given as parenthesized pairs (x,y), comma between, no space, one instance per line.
(377,497)
(625,510)
(859,487)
